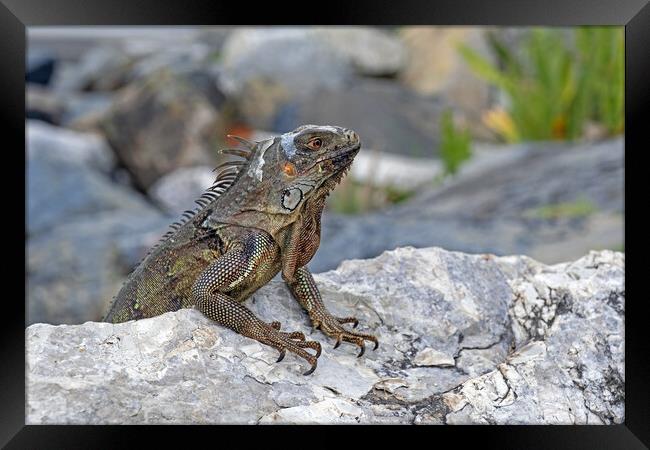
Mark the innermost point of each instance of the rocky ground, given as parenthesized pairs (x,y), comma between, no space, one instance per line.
(465,339)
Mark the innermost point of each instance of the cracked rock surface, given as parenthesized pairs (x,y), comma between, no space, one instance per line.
(464,339)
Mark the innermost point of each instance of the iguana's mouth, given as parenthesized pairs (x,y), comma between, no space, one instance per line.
(342,158)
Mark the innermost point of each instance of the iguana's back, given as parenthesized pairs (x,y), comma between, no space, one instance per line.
(162,282)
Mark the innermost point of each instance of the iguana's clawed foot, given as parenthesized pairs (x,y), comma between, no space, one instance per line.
(333,327)
(295,342)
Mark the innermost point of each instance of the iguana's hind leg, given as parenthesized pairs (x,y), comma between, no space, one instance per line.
(226,273)
(305,291)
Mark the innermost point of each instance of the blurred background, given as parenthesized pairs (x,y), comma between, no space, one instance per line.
(476,139)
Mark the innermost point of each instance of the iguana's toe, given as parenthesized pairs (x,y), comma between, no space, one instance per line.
(294,342)
(333,326)
(352,320)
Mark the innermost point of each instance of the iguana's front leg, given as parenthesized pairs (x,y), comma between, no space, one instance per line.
(225,274)
(304,289)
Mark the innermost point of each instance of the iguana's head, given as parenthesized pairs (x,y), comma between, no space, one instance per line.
(302,164)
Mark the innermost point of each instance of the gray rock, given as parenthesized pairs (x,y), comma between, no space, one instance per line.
(163,122)
(103,68)
(73,147)
(264,70)
(68,177)
(504,208)
(388,117)
(178,190)
(553,336)
(83,107)
(372,51)
(76,267)
(43,104)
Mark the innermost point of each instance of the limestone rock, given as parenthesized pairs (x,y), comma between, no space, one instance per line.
(182,368)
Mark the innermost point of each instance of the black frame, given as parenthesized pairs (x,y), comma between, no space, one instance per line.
(16,15)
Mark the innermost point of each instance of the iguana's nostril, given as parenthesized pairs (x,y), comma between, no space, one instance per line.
(352,136)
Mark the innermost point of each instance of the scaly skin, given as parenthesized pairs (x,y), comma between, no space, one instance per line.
(261,217)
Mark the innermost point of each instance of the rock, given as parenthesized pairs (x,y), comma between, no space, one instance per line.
(182,368)
(430,357)
(41,64)
(67,179)
(279,52)
(178,190)
(102,68)
(552,201)
(178,59)
(83,107)
(161,123)
(68,176)
(77,266)
(85,231)
(388,117)
(43,104)
(264,69)
(372,51)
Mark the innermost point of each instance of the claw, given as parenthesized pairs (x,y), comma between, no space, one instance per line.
(310,371)
(338,340)
(376,346)
(363,349)
(318,350)
(356,323)
(282,354)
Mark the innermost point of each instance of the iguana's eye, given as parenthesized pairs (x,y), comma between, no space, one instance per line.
(315,144)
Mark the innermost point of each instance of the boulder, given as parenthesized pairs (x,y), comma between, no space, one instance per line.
(163,122)
(43,104)
(68,176)
(76,267)
(177,191)
(388,117)
(41,64)
(469,339)
(552,201)
(85,107)
(265,69)
(101,67)
(371,51)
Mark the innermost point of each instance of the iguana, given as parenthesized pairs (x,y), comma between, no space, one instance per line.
(261,216)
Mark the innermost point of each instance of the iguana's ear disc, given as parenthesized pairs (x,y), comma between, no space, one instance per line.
(291,198)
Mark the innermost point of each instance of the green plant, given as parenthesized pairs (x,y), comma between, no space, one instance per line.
(556,85)
(455,144)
